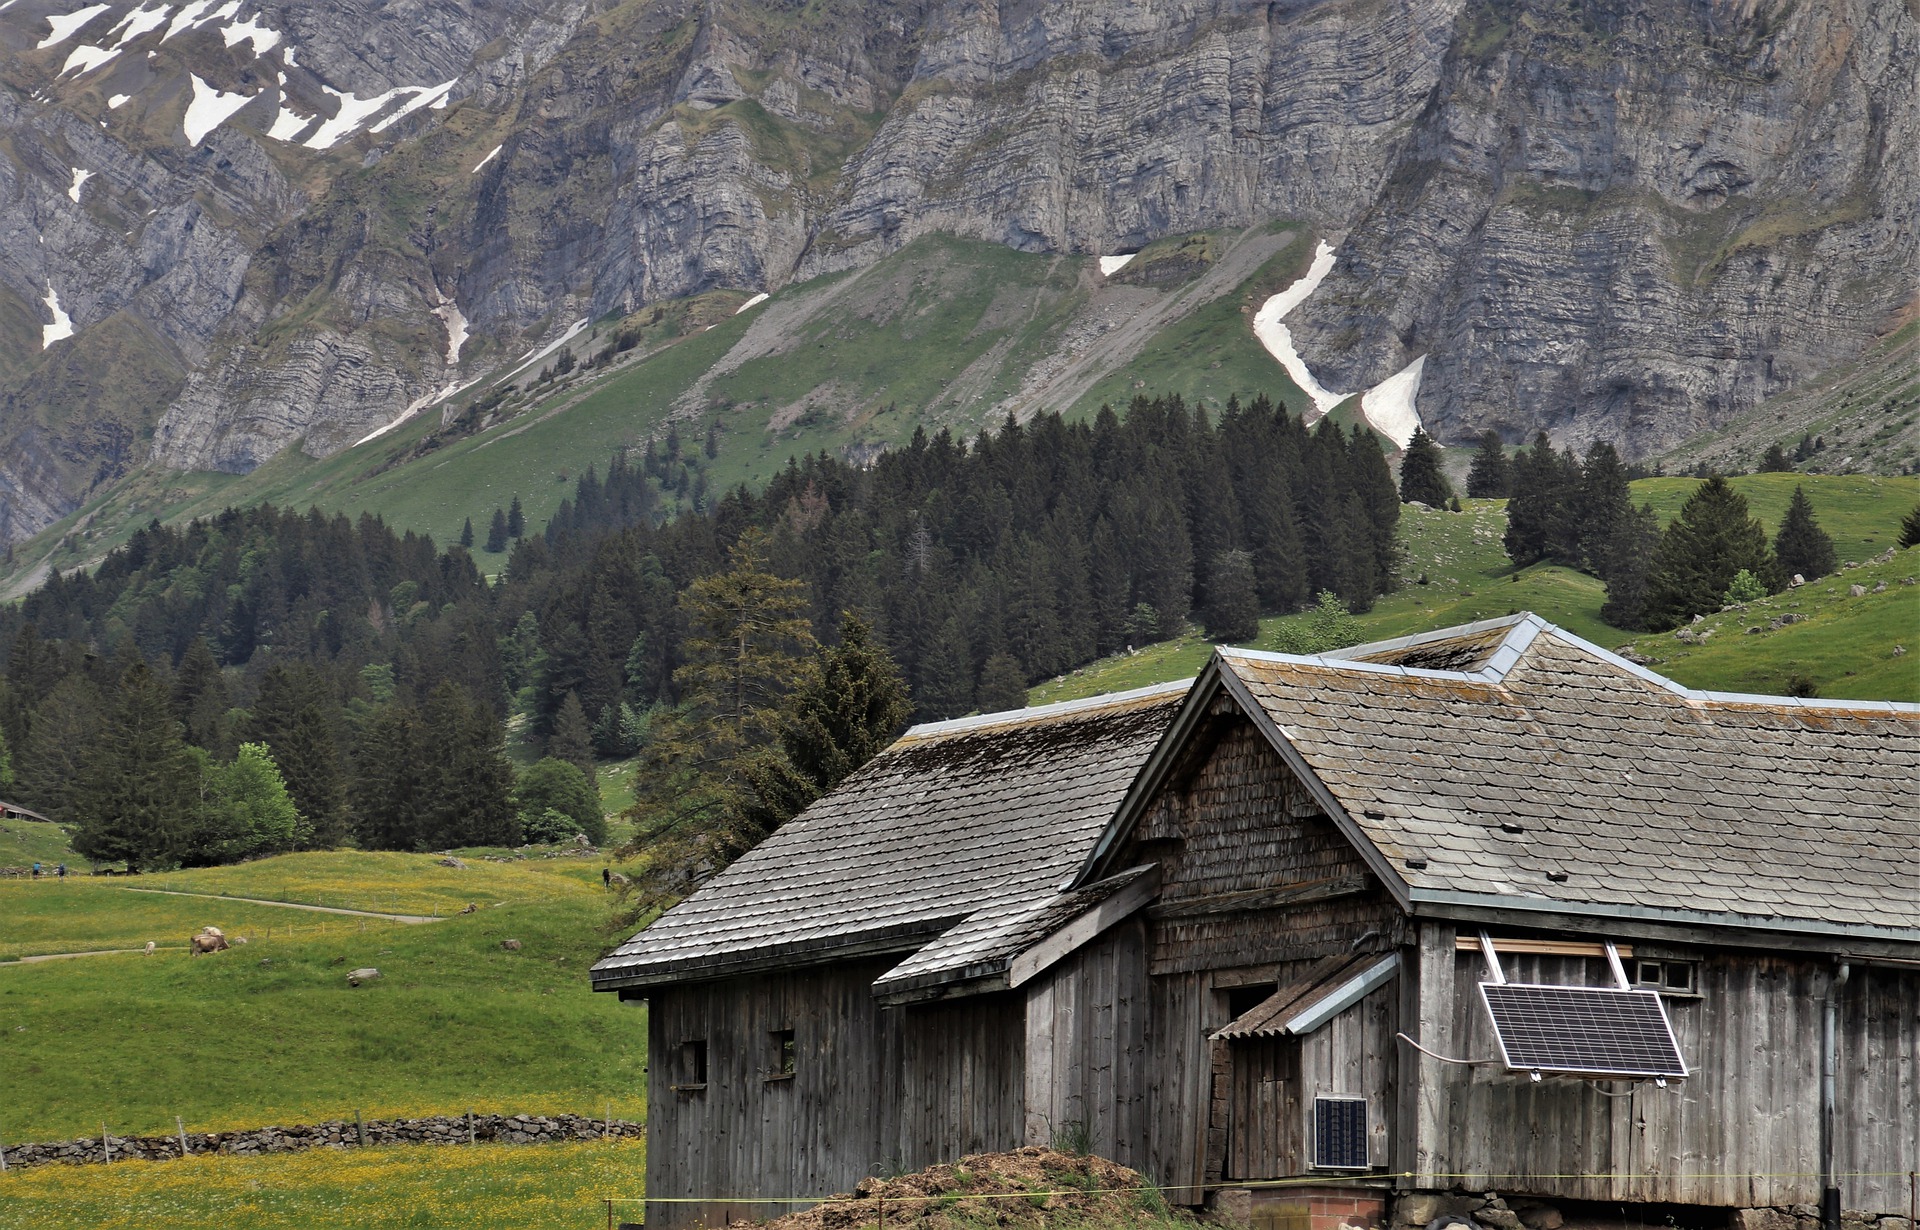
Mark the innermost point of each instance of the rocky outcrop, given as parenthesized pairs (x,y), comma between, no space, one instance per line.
(1610,218)
(333,1134)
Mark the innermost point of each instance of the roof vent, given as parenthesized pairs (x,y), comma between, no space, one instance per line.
(1374,815)
(1558,877)
(1417,863)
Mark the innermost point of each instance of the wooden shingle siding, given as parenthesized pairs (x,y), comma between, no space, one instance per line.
(1086,1048)
(1743,1130)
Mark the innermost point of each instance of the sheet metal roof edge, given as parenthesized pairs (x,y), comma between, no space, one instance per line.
(1437,634)
(1727,920)
(1062,708)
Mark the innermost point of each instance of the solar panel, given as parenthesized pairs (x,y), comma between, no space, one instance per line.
(1589,1031)
(1340,1133)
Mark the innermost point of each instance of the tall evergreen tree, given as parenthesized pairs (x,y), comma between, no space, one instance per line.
(54,769)
(387,784)
(1002,686)
(850,702)
(200,701)
(1712,539)
(293,716)
(1629,555)
(1604,505)
(1233,611)
(466,785)
(497,535)
(572,739)
(1801,546)
(1910,528)
(466,533)
(1776,461)
(142,793)
(516,519)
(1490,477)
(1421,478)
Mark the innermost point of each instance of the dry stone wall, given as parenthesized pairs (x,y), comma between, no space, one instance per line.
(334,1134)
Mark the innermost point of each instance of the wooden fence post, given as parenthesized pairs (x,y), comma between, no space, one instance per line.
(471,1138)
(360,1127)
(106,1146)
(3,1159)
(182,1125)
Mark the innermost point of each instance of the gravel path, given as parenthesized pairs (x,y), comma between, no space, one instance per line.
(295,905)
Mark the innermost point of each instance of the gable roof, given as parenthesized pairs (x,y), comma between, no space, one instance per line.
(1533,771)
(981,818)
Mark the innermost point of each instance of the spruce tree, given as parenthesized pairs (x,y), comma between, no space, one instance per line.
(1801,546)
(466,788)
(849,704)
(1712,539)
(294,716)
(388,771)
(1910,528)
(53,769)
(1002,686)
(946,676)
(200,701)
(1421,478)
(516,520)
(1490,477)
(572,738)
(1629,554)
(466,533)
(141,796)
(1775,461)
(1604,504)
(497,538)
(1233,611)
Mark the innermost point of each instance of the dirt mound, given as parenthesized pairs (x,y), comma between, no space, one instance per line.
(1031,1186)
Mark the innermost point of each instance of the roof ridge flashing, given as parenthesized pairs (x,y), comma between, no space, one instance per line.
(1041,713)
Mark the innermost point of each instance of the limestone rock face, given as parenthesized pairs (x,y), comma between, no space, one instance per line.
(1608,219)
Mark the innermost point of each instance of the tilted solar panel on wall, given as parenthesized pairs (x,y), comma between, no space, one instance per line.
(1340,1133)
(1587,1031)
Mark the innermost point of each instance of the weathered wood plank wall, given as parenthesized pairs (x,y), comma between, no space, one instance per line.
(1086,1048)
(1743,1130)
(745,1136)
(960,1087)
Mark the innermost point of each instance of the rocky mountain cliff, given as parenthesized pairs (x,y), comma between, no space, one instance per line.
(227,228)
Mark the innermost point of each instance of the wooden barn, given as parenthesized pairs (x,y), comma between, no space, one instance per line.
(1488,910)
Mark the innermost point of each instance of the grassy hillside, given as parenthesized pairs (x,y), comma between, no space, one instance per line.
(945,333)
(1844,650)
(473,1187)
(271,1032)
(25,842)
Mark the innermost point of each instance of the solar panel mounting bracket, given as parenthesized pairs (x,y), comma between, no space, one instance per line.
(1494,972)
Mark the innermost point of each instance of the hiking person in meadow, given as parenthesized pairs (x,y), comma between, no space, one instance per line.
(36,871)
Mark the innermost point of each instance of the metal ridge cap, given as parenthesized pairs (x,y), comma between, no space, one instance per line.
(1723,919)
(1011,717)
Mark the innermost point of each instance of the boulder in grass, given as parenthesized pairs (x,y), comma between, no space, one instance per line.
(367,974)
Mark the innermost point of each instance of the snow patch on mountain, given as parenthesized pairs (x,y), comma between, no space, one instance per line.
(66,27)
(434,97)
(62,326)
(263,38)
(210,108)
(1110,265)
(1389,404)
(450,315)
(79,177)
(138,22)
(756,301)
(491,155)
(86,58)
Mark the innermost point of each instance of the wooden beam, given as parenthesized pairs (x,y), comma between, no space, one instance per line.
(1085,928)
(1541,948)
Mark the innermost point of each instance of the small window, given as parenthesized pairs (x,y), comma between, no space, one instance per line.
(693,1056)
(1673,977)
(1242,1000)
(784,1053)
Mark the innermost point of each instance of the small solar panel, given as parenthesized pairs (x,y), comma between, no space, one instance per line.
(1590,1031)
(1340,1133)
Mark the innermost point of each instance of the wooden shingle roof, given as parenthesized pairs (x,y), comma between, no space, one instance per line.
(955,819)
(1537,772)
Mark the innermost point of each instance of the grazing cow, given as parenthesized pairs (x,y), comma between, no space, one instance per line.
(209,940)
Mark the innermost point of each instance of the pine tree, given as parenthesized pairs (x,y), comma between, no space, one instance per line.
(572,738)
(1712,539)
(516,520)
(1002,686)
(849,704)
(466,533)
(1801,546)
(1910,528)
(1421,478)
(1490,477)
(466,786)
(1233,611)
(1604,504)
(497,537)
(142,793)
(200,701)
(388,770)
(6,763)
(1629,555)
(1542,515)
(293,716)
(53,766)
(1775,461)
